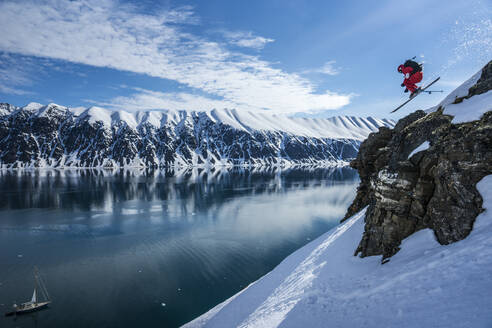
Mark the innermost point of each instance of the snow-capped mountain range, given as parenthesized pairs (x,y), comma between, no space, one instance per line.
(56,136)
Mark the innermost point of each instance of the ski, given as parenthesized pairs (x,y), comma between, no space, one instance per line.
(419,92)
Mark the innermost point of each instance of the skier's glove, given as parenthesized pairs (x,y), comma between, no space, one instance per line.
(402,85)
(406,90)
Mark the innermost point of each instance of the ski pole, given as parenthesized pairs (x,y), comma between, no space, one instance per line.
(431,91)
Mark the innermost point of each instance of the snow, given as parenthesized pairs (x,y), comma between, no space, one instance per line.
(470,109)
(126,117)
(96,114)
(4,110)
(76,111)
(324,285)
(44,110)
(425,145)
(33,106)
(341,127)
(462,90)
(172,117)
(153,118)
(336,127)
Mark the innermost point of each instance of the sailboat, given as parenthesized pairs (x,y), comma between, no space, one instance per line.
(35,303)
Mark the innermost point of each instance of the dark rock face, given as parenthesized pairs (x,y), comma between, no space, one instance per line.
(483,84)
(54,136)
(434,188)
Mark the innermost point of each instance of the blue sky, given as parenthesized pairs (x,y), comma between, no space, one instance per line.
(311,58)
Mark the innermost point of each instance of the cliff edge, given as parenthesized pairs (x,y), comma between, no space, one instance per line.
(423,173)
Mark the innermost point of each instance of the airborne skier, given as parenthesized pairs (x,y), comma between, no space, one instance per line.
(413,75)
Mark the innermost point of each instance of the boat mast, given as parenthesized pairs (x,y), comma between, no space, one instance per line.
(40,284)
(34,298)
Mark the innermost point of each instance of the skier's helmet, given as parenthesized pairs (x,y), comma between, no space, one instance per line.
(400,68)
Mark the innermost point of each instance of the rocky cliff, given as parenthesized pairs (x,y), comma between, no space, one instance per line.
(423,172)
(57,136)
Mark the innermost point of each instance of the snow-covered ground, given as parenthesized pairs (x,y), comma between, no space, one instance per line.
(324,285)
(470,109)
(425,145)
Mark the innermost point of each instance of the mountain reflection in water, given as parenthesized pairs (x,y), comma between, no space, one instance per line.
(114,246)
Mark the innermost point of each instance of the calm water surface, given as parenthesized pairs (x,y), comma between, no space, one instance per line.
(154,248)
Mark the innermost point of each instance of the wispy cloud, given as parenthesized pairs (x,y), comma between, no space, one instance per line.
(246,39)
(13,77)
(13,91)
(328,68)
(106,33)
(143,99)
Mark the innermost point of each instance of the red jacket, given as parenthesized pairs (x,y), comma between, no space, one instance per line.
(407,71)
(411,78)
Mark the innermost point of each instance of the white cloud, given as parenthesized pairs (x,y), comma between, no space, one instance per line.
(13,91)
(328,68)
(13,76)
(109,34)
(145,99)
(247,40)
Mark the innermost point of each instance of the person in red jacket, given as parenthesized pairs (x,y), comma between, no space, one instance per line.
(412,77)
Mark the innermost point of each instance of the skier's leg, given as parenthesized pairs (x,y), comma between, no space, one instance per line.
(417,77)
(413,80)
(410,86)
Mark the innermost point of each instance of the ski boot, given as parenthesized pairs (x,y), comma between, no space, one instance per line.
(416,92)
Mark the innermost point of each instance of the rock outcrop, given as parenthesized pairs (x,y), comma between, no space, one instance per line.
(407,190)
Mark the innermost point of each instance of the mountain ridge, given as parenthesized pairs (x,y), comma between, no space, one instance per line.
(51,135)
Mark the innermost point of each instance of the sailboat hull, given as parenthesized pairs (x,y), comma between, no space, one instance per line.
(28,308)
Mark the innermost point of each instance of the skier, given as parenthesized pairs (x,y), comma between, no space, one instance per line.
(413,75)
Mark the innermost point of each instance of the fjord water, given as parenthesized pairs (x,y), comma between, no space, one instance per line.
(154,248)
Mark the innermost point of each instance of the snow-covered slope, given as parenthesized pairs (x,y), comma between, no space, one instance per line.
(324,285)
(468,109)
(57,136)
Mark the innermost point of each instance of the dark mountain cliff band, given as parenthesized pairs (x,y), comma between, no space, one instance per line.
(54,136)
(434,188)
